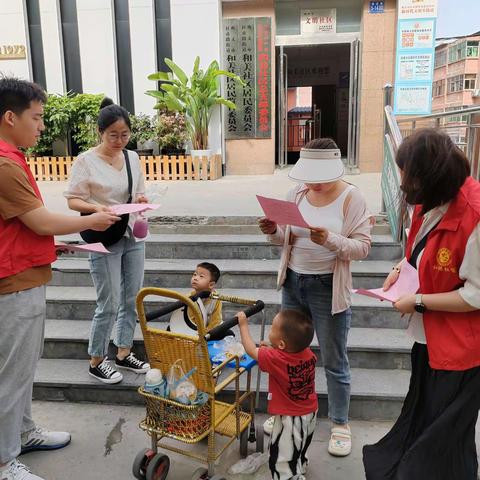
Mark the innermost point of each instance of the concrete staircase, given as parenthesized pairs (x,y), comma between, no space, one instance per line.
(378,346)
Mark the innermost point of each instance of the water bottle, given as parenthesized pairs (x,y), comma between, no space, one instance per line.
(155,383)
(140,227)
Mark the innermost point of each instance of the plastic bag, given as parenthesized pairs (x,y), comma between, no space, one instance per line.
(228,346)
(180,388)
(154,193)
(250,464)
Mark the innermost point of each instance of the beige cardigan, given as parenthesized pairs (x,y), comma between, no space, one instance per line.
(352,244)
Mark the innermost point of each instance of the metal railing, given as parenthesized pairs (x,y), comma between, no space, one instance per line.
(462,125)
(465,133)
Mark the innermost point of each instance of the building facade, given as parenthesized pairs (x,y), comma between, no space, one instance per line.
(340,51)
(456,80)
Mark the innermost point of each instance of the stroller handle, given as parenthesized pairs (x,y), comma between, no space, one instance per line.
(173,306)
(219,332)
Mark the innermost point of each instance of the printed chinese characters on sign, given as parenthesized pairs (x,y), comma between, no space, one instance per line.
(248,54)
(263,78)
(318,20)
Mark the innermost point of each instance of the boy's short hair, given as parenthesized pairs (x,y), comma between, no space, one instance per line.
(297,329)
(16,95)
(213,269)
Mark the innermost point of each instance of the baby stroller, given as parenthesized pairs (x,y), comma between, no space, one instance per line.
(187,425)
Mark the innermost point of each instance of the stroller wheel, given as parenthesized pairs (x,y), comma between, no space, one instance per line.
(139,468)
(200,474)
(158,467)
(259,437)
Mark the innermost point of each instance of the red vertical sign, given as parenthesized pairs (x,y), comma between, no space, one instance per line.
(263,74)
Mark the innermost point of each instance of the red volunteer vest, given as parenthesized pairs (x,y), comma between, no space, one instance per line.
(20,247)
(453,339)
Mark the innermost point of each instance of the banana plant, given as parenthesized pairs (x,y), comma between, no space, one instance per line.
(195,96)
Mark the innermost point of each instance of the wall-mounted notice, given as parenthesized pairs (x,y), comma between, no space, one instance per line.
(417,8)
(248,53)
(415,57)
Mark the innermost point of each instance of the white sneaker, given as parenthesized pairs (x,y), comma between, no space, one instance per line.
(268,425)
(41,439)
(17,471)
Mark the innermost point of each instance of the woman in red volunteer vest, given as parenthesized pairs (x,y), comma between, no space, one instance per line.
(434,437)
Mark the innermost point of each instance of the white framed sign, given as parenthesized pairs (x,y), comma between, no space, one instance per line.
(415,57)
(318,20)
(417,9)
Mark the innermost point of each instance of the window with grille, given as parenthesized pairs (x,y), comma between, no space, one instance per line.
(472,49)
(470,81)
(440,58)
(457,118)
(455,84)
(438,88)
(457,52)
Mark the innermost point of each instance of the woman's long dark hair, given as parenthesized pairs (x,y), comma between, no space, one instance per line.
(434,168)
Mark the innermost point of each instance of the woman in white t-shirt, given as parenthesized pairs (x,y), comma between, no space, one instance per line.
(99,179)
(315,267)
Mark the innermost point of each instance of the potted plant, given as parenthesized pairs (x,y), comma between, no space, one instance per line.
(142,133)
(70,124)
(171,133)
(195,97)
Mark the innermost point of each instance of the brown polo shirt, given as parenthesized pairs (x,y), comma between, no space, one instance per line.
(17,198)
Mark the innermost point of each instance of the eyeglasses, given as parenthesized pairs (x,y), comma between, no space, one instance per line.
(113,137)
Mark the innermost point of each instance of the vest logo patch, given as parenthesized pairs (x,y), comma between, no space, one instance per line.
(444,261)
(444,257)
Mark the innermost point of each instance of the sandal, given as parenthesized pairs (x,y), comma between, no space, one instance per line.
(268,425)
(340,444)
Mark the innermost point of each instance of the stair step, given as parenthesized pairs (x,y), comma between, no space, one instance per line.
(79,303)
(375,394)
(174,273)
(245,246)
(368,347)
(226,225)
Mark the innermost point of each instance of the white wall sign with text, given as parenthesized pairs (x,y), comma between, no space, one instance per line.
(315,20)
(417,9)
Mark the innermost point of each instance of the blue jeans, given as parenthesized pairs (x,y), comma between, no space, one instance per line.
(118,277)
(313,295)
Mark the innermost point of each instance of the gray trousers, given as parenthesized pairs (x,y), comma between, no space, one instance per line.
(22,324)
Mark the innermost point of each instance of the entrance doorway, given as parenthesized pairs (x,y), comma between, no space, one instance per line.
(316,97)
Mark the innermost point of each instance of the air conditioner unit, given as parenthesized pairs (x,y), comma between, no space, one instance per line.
(476,92)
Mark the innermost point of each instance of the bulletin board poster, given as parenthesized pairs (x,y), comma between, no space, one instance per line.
(415,66)
(417,34)
(415,57)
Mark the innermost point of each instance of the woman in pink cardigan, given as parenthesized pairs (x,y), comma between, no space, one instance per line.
(315,267)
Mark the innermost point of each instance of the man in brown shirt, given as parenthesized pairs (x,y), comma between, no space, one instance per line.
(16,198)
(26,251)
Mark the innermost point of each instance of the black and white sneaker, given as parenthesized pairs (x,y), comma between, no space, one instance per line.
(105,372)
(132,363)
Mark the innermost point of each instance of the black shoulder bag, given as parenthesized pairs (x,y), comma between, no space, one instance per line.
(115,232)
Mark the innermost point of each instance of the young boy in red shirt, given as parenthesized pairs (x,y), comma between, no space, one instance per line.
(291,389)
